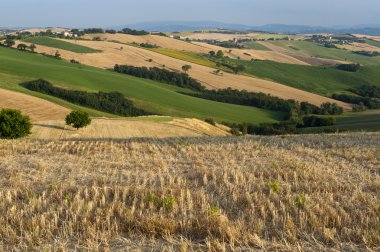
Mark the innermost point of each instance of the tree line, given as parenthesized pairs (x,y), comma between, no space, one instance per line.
(114,102)
(162,75)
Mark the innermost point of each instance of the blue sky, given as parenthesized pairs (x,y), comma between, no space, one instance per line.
(102,13)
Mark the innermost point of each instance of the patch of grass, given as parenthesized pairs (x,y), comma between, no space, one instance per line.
(316,50)
(152,96)
(373,42)
(51,42)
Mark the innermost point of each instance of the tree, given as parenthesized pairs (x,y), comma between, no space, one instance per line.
(57,55)
(22,47)
(186,68)
(212,53)
(32,47)
(9,43)
(78,119)
(13,124)
(220,54)
(238,68)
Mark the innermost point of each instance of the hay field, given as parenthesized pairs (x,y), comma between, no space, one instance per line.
(164,42)
(111,55)
(288,193)
(139,127)
(37,109)
(360,47)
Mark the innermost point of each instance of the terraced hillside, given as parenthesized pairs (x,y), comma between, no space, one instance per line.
(289,193)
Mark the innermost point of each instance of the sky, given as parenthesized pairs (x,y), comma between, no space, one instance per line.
(107,13)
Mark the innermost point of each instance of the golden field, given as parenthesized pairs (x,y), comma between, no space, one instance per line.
(288,193)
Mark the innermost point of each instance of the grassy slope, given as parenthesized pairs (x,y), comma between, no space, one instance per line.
(316,50)
(46,41)
(17,67)
(323,80)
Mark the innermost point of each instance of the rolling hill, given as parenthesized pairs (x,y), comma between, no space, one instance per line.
(17,67)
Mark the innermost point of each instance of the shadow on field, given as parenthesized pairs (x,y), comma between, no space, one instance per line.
(50,126)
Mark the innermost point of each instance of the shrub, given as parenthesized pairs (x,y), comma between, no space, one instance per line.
(210,121)
(349,67)
(13,124)
(78,119)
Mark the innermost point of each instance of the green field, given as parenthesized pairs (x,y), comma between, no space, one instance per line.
(51,42)
(323,80)
(186,56)
(366,121)
(255,46)
(316,50)
(373,42)
(17,67)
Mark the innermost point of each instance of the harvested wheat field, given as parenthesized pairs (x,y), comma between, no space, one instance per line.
(36,108)
(161,41)
(139,127)
(360,47)
(111,55)
(288,193)
(248,54)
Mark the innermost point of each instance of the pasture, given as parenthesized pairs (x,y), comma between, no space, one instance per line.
(59,44)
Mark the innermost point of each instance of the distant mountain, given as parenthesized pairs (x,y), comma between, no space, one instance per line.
(301,29)
(173,26)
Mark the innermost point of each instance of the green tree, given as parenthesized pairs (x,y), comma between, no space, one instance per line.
(9,43)
(57,55)
(220,54)
(13,124)
(186,68)
(32,47)
(238,68)
(78,119)
(22,47)
(212,53)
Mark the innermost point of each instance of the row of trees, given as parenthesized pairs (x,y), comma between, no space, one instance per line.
(162,75)
(114,102)
(367,91)
(367,102)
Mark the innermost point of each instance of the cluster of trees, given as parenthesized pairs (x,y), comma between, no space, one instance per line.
(329,45)
(367,53)
(349,67)
(363,102)
(315,121)
(21,46)
(225,44)
(134,32)
(113,102)
(367,91)
(161,75)
(147,45)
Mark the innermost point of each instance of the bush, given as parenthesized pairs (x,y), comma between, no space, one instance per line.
(210,121)
(315,121)
(78,119)
(13,124)
(349,67)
